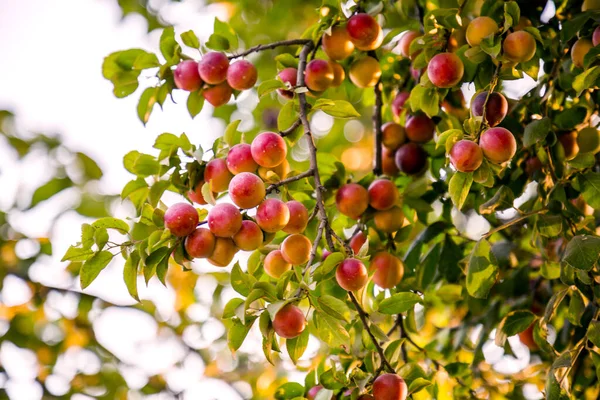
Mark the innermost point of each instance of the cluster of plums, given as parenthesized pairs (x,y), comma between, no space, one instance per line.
(215,77)
(385,387)
(497,144)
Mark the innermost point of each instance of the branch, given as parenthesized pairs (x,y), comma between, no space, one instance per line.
(377,122)
(363,317)
(270,46)
(512,222)
(294,178)
(291,129)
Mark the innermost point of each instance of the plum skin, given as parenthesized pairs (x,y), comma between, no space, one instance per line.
(498,145)
(365,72)
(411,159)
(338,45)
(213,67)
(351,274)
(181,219)
(224,220)
(200,243)
(419,128)
(289,322)
(186,76)
(390,386)
(247,190)
(466,156)
(275,265)
(480,28)
(364,32)
(318,75)
(383,194)
(352,200)
(495,109)
(242,75)
(268,149)
(387,270)
(519,46)
(445,70)
(288,75)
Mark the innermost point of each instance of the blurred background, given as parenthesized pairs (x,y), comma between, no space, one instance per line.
(63,135)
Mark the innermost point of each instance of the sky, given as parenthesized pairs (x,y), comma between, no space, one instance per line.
(50,76)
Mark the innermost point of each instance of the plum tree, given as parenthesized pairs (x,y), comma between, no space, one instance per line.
(181,219)
(466,156)
(289,322)
(364,32)
(224,220)
(186,76)
(213,67)
(357,241)
(389,387)
(365,72)
(495,104)
(351,274)
(268,149)
(479,29)
(250,237)
(498,145)
(352,200)
(519,46)
(247,190)
(200,243)
(445,70)
(388,162)
(337,45)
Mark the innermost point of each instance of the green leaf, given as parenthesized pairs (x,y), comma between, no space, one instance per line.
(576,308)
(90,167)
(101,237)
(92,267)
(297,346)
(430,103)
(112,223)
(593,332)
(130,274)
(190,39)
(240,281)
(77,254)
(586,79)
(332,261)
(399,303)
(582,252)
(195,102)
(232,136)
(237,333)
(550,225)
(536,131)
(140,164)
(482,270)
(459,187)
(269,86)
(169,47)
(289,390)
(570,118)
(146,103)
(590,188)
(336,108)
(453,135)
(286,60)
(502,199)
(334,307)
(287,116)
(418,384)
(513,323)
(572,26)
(218,42)
(225,30)
(331,331)
(49,189)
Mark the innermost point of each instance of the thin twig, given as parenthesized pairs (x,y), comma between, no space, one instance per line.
(512,222)
(364,318)
(291,179)
(270,46)
(291,129)
(377,122)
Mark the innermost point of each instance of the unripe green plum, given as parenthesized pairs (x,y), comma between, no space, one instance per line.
(289,322)
(186,76)
(398,103)
(218,95)
(224,252)
(495,109)
(298,217)
(466,156)
(579,50)
(389,387)
(239,159)
(588,140)
(388,162)
(213,67)
(419,128)
(389,221)
(249,237)
(589,5)
(242,75)
(288,75)
(200,243)
(272,215)
(519,46)
(318,75)
(247,190)
(296,248)
(411,159)
(365,72)
(338,73)
(224,220)
(268,149)
(445,70)
(480,28)
(338,45)
(351,274)
(217,174)
(181,219)
(498,145)
(275,265)
(364,32)
(393,135)
(383,194)
(352,200)
(357,241)
(387,270)
(405,41)
(568,141)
